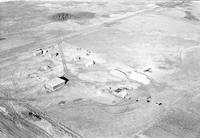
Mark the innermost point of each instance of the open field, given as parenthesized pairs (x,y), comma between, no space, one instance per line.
(100,69)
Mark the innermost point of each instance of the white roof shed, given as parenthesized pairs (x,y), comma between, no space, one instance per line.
(55,84)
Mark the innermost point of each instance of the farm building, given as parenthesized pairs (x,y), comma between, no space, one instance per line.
(55,84)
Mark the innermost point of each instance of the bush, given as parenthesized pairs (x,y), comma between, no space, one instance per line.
(62,16)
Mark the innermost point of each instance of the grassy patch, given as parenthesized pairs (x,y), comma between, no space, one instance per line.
(189,16)
(64,16)
(2,39)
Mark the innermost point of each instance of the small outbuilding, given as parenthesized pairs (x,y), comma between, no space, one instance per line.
(38,52)
(90,64)
(55,84)
(121,92)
